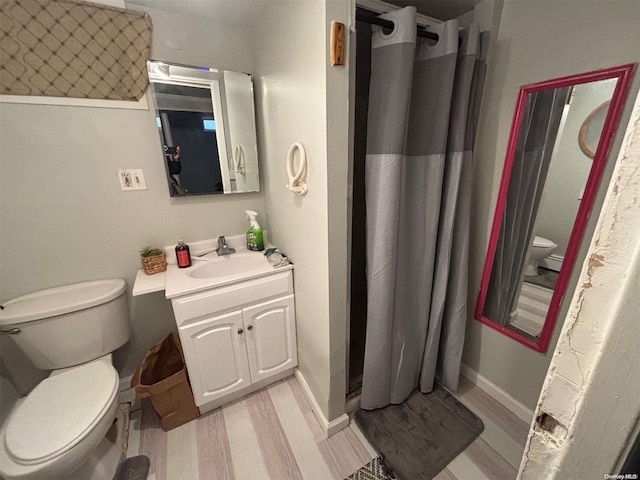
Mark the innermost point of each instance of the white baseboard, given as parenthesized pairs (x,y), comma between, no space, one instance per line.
(552,262)
(329,427)
(491,389)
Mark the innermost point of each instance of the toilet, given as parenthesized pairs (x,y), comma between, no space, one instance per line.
(540,248)
(72,331)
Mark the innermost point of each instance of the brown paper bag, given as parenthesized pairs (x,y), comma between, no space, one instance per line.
(162,377)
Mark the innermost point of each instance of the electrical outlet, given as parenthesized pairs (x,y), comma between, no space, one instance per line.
(132,179)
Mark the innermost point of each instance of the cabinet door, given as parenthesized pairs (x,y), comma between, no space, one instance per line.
(271,337)
(216,354)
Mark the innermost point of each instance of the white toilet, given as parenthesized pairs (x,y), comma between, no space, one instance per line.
(71,330)
(540,248)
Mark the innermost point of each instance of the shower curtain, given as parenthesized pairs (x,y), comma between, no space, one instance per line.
(423,110)
(534,150)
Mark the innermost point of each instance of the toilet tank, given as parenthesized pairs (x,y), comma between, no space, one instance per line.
(69,325)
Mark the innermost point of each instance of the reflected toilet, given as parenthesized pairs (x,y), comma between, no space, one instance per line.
(540,248)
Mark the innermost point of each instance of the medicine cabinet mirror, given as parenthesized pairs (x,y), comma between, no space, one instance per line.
(546,195)
(206,124)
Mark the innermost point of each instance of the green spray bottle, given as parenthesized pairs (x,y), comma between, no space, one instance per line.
(254,234)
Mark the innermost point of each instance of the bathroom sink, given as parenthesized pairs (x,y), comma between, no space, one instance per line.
(227,265)
(212,271)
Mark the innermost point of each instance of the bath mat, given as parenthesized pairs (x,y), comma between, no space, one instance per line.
(133,468)
(419,437)
(545,278)
(376,469)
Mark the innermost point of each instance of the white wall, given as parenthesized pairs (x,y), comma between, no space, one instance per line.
(296,105)
(339,149)
(536,41)
(63,217)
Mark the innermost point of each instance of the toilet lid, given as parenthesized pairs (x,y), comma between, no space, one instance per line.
(542,242)
(60,412)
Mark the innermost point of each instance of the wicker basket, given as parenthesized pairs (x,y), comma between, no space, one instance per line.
(154,264)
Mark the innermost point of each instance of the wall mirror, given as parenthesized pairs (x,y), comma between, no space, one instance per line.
(206,123)
(546,194)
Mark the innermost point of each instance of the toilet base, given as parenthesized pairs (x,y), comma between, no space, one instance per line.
(531,270)
(104,460)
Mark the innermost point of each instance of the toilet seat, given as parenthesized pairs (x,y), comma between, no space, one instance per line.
(63,409)
(543,242)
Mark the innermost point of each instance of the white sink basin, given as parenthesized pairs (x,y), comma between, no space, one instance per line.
(211,271)
(226,265)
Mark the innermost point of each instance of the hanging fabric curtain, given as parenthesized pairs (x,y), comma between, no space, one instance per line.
(71,48)
(423,110)
(536,139)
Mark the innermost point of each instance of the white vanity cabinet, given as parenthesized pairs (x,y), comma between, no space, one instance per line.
(237,338)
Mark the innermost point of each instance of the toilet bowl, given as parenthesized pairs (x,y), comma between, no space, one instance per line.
(51,433)
(72,329)
(540,248)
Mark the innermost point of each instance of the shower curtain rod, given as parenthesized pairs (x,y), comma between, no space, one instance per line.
(368,16)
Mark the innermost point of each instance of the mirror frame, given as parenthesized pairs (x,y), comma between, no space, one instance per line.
(624,74)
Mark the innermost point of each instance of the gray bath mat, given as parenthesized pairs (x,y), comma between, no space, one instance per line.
(374,470)
(419,437)
(133,468)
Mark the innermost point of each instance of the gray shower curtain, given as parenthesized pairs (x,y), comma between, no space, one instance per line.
(532,157)
(423,110)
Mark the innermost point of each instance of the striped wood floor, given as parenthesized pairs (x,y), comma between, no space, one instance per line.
(496,454)
(273,434)
(533,304)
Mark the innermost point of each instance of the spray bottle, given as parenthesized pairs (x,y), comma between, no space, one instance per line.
(254,234)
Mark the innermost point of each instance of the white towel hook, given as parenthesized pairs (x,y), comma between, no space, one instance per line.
(296,182)
(238,159)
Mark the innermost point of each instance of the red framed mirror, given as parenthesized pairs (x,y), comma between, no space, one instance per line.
(546,194)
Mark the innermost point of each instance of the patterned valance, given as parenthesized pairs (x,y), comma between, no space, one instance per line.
(71,48)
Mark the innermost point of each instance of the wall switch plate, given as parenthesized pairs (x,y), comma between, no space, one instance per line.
(132,179)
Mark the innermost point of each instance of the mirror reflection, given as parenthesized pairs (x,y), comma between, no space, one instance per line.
(546,193)
(562,192)
(206,124)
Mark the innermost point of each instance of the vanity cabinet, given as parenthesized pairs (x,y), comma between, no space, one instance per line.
(237,338)
(271,337)
(216,356)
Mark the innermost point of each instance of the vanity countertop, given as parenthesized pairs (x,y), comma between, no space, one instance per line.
(181,281)
(149,283)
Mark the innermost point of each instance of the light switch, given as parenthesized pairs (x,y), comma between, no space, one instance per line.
(132,179)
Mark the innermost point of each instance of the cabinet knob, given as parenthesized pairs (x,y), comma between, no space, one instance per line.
(250,327)
(240,331)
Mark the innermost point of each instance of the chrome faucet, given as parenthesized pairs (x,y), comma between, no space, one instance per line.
(223,248)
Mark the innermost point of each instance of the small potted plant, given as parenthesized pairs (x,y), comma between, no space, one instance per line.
(153,260)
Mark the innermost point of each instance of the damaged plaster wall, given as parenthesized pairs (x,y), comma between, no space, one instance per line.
(590,400)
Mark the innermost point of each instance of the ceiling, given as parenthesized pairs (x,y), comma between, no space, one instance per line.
(242,13)
(440,9)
